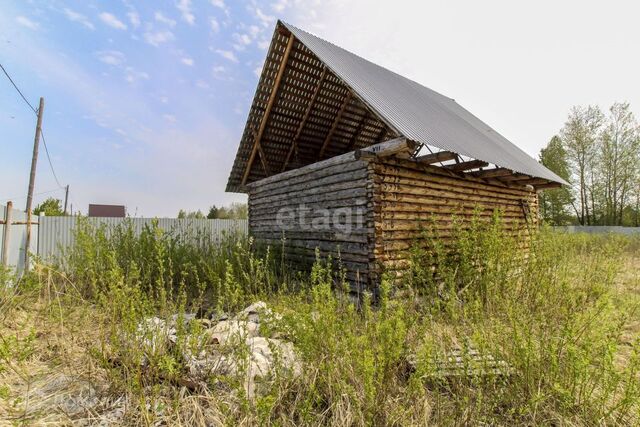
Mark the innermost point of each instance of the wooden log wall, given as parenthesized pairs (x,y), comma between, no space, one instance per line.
(337,198)
(410,197)
(383,205)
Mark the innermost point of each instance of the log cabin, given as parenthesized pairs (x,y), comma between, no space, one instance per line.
(342,156)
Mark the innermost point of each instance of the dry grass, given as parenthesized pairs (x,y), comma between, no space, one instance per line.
(56,366)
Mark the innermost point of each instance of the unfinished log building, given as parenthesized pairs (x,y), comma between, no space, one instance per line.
(345,156)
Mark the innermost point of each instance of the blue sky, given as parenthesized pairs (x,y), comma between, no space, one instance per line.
(146,101)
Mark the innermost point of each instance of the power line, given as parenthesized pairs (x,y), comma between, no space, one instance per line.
(37,194)
(46,149)
(19,91)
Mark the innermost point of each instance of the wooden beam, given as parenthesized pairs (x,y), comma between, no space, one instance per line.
(515,177)
(532,181)
(492,173)
(358,131)
(305,117)
(441,156)
(549,185)
(386,149)
(265,117)
(463,166)
(336,121)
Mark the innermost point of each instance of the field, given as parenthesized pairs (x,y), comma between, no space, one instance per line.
(122,330)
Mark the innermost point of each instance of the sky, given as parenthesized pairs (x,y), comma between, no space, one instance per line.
(145,102)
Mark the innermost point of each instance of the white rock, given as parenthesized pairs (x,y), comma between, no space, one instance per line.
(227,330)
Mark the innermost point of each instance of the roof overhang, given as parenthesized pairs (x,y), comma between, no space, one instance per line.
(315,100)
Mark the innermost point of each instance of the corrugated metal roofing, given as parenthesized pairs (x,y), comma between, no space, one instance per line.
(420,113)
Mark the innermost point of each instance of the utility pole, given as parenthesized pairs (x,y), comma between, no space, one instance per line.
(32,180)
(66,197)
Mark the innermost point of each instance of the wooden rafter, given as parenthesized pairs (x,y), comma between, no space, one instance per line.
(463,166)
(358,131)
(532,181)
(515,177)
(336,121)
(265,117)
(492,173)
(549,185)
(441,156)
(305,117)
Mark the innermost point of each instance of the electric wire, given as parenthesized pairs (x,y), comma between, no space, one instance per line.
(44,142)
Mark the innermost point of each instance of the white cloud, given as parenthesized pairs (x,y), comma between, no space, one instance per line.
(111,57)
(132,75)
(159,16)
(202,84)
(263,44)
(266,20)
(26,22)
(78,17)
(257,71)
(156,38)
(112,21)
(134,18)
(187,61)
(227,54)
(184,6)
(215,26)
(169,117)
(220,4)
(280,5)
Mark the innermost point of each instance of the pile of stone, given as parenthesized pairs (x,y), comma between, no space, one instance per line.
(227,347)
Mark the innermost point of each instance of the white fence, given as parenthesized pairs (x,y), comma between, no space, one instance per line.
(14,237)
(599,229)
(51,236)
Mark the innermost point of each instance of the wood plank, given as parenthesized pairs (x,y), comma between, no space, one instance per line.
(386,149)
(305,117)
(463,166)
(547,186)
(441,156)
(491,173)
(267,112)
(336,121)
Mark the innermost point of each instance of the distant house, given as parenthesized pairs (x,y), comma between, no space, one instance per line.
(111,211)
(345,156)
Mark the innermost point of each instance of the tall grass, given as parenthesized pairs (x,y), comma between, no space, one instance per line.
(549,312)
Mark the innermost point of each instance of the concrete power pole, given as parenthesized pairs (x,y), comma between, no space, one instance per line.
(32,181)
(66,198)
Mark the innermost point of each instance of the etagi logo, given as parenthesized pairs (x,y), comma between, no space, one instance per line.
(302,217)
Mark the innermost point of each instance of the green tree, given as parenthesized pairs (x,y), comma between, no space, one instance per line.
(580,136)
(182,214)
(555,203)
(213,212)
(234,211)
(49,207)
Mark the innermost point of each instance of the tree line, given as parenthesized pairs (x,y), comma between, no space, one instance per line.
(598,153)
(233,211)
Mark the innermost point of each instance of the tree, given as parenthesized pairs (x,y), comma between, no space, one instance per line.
(182,214)
(233,211)
(580,140)
(213,212)
(49,207)
(555,203)
(619,161)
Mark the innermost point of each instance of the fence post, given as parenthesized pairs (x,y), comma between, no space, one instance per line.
(7,235)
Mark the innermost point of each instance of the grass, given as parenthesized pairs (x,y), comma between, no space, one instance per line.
(562,316)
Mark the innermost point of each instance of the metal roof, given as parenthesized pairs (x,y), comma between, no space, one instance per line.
(315,100)
(420,113)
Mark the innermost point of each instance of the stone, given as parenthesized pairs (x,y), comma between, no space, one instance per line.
(227,330)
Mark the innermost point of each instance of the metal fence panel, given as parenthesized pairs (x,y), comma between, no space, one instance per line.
(17,237)
(56,234)
(599,229)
